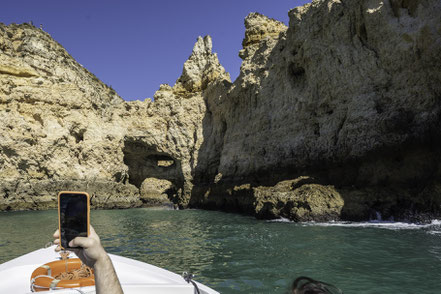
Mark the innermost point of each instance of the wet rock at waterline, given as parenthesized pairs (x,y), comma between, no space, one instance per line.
(334,117)
(300,199)
(156,192)
(42,194)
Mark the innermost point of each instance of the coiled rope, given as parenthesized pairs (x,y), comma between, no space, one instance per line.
(83,272)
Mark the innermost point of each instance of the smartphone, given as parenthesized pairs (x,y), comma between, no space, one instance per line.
(73,216)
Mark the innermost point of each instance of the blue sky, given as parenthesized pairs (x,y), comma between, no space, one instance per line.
(135,46)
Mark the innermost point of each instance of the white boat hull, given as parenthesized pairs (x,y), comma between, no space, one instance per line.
(135,276)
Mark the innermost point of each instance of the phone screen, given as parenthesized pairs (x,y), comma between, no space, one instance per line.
(74,216)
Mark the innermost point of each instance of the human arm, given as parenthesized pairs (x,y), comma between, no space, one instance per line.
(92,253)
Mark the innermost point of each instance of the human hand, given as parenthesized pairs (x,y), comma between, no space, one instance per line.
(90,252)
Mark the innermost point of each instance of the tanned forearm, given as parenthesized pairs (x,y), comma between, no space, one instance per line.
(106,280)
(92,254)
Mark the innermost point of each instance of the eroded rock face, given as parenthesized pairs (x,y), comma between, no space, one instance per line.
(308,202)
(201,68)
(156,192)
(336,116)
(55,131)
(348,95)
(63,129)
(258,28)
(163,138)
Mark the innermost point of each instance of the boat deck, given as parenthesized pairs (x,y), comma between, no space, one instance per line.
(134,276)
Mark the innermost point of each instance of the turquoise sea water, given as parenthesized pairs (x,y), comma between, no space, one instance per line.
(239,254)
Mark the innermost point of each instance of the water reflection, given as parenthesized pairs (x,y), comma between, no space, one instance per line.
(176,243)
(23,232)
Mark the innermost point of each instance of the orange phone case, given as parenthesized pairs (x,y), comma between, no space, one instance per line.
(88,211)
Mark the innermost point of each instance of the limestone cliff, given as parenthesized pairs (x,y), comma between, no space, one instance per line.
(55,132)
(63,129)
(348,96)
(336,116)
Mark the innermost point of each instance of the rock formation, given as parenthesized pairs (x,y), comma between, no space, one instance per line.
(336,116)
(63,129)
(348,96)
(156,192)
(55,132)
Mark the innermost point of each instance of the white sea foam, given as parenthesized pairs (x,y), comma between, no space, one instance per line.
(436,222)
(280,220)
(374,224)
(435,225)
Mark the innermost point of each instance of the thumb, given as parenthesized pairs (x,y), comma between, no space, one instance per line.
(80,242)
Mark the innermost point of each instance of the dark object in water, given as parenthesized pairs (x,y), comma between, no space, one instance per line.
(305,285)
